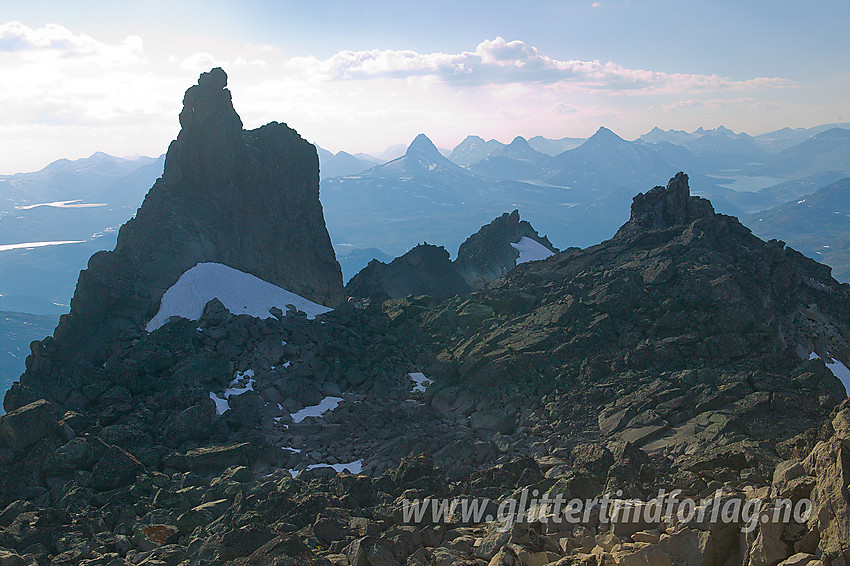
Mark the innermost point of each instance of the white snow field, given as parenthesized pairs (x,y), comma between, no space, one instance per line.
(239,292)
(531,250)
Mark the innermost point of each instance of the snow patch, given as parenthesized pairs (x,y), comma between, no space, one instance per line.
(837,368)
(242,383)
(221,405)
(354,467)
(239,292)
(420,380)
(327,404)
(531,250)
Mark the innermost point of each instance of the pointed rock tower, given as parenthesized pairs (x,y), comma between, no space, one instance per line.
(246,199)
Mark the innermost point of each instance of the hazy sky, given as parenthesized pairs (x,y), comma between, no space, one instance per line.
(86,76)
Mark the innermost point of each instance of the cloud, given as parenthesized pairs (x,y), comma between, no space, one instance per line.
(500,62)
(55,40)
(562,108)
(743,103)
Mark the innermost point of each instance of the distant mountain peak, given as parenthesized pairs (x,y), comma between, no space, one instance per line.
(520,142)
(832,134)
(604,136)
(422,144)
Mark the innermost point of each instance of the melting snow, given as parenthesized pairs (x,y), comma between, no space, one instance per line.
(242,383)
(221,405)
(421,381)
(327,404)
(354,467)
(531,250)
(239,292)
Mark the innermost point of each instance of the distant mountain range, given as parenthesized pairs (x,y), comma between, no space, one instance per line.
(82,203)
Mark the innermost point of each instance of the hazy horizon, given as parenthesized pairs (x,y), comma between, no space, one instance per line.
(366,77)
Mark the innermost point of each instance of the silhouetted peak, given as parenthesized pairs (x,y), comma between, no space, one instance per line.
(604,136)
(663,207)
(422,145)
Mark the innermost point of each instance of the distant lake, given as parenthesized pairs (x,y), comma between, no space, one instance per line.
(31,245)
(747,184)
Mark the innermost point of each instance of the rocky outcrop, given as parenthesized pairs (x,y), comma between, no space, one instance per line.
(684,335)
(488,254)
(424,270)
(663,207)
(246,199)
(427,270)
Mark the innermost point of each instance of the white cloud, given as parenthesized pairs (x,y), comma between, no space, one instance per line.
(501,62)
(55,40)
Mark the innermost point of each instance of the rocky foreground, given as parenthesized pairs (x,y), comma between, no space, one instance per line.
(683,354)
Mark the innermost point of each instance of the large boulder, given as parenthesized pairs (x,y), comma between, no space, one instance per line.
(26,425)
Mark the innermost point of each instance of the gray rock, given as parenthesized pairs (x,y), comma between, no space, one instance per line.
(23,427)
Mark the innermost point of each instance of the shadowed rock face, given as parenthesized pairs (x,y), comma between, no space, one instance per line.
(247,199)
(487,255)
(427,270)
(424,270)
(662,207)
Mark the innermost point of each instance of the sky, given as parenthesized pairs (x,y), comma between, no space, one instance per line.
(87,76)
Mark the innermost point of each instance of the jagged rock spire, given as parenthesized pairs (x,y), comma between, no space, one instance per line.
(210,142)
(245,199)
(663,207)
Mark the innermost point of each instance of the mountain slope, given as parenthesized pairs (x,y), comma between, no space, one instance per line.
(485,256)
(826,151)
(817,224)
(339,164)
(606,162)
(554,147)
(473,149)
(17,330)
(682,319)
(66,180)
(513,162)
(422,196)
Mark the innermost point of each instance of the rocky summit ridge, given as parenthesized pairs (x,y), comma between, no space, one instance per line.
(683,353)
